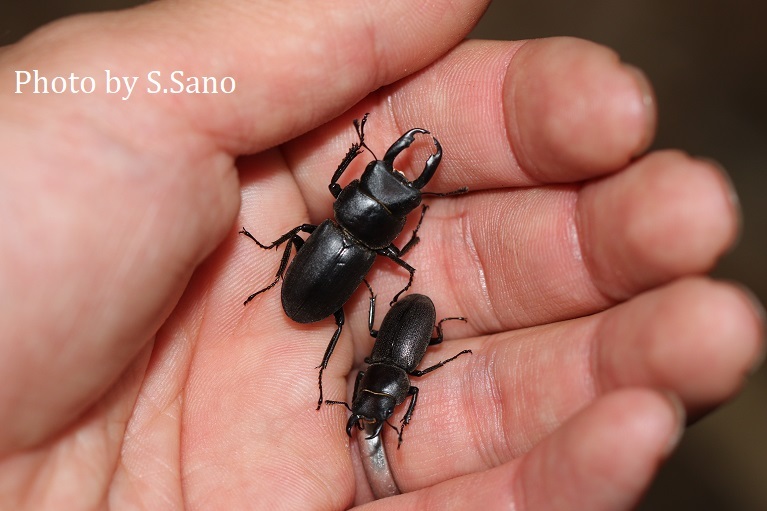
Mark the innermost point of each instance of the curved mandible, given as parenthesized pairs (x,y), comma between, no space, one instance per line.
(403,143)
(354,420)
(430,168)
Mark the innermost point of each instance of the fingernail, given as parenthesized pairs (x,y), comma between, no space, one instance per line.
(681,419)
(732,194)
(648,102)
(761,316)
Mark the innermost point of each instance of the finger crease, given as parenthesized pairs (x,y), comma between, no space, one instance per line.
(467,234)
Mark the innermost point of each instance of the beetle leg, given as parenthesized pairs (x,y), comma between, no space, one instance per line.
(354,419)
(359,126)
(371,311)
(334,187)
(332,402)
(339,315)
(282,239)
(414,239)
(296,240)
(354,151)
(416,372)
(357,384)
(460,191)
(413,392)
(438,326)
(393,253)
(411,270)
(293,239)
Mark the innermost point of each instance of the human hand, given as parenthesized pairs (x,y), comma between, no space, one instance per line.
(574,263)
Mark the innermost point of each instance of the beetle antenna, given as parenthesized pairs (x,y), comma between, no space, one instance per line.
(360,127)
(331,402)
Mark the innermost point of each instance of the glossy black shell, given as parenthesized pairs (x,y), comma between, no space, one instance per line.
(405,333)
(324,274)
(366,218)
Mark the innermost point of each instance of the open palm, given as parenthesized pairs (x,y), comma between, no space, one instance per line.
(134,377)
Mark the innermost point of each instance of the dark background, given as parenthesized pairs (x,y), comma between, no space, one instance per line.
(708,62)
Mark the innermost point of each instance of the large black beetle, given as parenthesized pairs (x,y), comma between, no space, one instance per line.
(401,343)
(370,212)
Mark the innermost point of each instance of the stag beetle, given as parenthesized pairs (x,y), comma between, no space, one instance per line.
(370,213)
(400,345)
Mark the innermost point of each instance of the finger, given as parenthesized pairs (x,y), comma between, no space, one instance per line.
(103,240)
(506,114)
(574,252)
(696,338)
(677,216)
(602,459)
(516,258)
(611,452)
(542,111)
(313,60)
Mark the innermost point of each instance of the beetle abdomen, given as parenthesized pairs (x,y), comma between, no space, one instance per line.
(405,332)
(324,274)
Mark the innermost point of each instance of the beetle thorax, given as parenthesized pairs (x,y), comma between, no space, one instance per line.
(382,382)
(365,218)
(390,187)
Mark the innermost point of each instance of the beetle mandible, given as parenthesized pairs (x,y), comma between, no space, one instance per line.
(401,343)
(370,212)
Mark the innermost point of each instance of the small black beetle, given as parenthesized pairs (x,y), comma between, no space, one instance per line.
(370,213)
(400,345)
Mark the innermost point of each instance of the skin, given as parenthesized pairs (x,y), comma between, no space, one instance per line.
(133,377)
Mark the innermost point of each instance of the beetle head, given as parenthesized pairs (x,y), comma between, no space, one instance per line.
(370,409)
(390,186)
